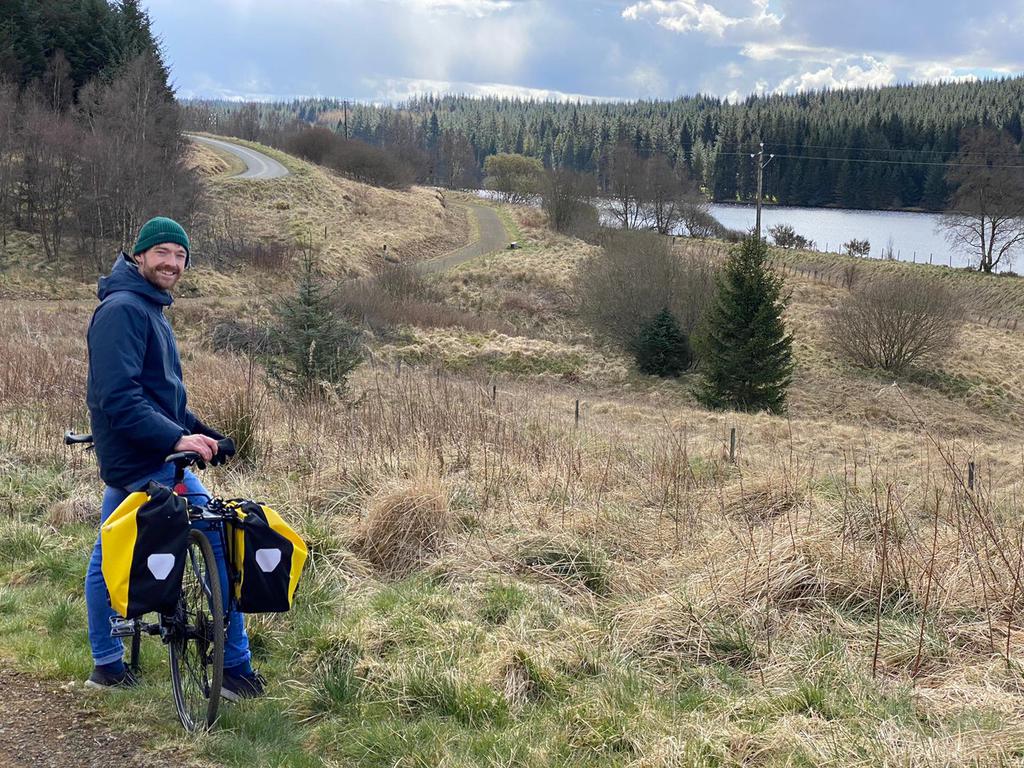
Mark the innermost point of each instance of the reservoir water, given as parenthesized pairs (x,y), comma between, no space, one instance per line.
(911,236)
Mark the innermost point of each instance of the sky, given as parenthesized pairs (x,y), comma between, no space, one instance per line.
(389,50)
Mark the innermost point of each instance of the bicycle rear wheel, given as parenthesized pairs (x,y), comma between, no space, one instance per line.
(196,646)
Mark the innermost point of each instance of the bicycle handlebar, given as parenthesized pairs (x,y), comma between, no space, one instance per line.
(70,438)
(182,459)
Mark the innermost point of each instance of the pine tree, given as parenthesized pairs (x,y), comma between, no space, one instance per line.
(661,348)
(313,348)
(747,354)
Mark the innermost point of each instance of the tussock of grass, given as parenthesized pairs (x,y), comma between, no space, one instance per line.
(574,563)
(405,526)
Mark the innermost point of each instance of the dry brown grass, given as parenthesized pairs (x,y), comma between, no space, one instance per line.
(841,552)
(210,161)
(404,526)
(358,219)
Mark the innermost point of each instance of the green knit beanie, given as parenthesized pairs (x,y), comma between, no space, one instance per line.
(158,230)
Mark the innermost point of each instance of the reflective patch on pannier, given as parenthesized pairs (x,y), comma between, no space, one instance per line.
(268,556)
(143,551)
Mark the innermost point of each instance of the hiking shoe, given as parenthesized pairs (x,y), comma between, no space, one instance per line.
(103,680)
(238,687)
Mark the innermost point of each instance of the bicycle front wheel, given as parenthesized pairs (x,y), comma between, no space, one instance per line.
(196,646)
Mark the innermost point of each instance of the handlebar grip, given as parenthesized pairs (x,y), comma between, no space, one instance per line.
(70,438)
(225,450)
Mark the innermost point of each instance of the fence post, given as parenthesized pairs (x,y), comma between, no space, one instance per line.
(732,445)
(577,413)
(970,475)
(494,393)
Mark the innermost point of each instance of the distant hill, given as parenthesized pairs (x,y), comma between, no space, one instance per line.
(862,148)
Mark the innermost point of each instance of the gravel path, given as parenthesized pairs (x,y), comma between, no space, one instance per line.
(493,237)
(43,725)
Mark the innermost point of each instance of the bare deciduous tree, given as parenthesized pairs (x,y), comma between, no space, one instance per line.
(628,187)
(986,215)
(669,191)
(456,161)
(566,199)
(634,277)
(896,322)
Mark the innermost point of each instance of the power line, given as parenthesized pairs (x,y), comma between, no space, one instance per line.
(950,163)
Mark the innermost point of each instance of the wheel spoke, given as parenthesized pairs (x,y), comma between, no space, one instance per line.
(197,648)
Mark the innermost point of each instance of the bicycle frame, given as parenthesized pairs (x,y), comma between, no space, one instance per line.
(219,518)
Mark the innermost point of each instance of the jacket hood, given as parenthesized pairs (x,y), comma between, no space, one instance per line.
(125,276)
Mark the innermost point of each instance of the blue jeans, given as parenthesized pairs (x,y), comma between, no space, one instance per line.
(107,649)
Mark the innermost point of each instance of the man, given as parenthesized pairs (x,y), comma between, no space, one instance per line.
(138,408)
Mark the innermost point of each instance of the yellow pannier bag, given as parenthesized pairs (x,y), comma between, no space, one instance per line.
(268,557)
(143,546)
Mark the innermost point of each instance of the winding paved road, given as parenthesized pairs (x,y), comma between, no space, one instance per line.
(257,165)
(493,236)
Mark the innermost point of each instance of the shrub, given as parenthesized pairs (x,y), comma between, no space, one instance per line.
(856,247)
(242,338)
(661,348)
(371,165)
(786,237)
(749,361)
(634,276)
(401,281)
(515,178)
(699,222)
(897,322)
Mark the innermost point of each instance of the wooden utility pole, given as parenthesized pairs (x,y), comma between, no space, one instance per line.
(761,165)
(345,103)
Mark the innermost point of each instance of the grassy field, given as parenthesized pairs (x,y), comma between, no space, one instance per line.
(494,583)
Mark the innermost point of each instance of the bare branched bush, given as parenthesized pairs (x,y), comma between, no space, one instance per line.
(634,277)
(895,323)
(401,281)
(399,295)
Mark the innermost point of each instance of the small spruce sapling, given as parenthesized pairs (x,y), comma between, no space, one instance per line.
(313,348)
(661,348)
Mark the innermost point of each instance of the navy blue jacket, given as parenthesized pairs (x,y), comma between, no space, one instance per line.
(136,398)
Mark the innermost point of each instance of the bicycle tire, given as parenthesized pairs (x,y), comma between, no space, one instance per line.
(196,645)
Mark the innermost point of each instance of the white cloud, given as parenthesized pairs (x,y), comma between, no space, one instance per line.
(646,81)
(869,73)
(476,9)
(694,16)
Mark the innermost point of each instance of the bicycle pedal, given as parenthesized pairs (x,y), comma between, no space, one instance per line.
(122,627)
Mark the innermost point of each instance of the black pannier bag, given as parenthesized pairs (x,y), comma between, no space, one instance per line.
(268,557)
(143,546)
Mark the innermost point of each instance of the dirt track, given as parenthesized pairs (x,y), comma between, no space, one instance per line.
(42,725)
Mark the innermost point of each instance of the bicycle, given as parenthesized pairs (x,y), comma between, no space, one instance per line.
(194,633)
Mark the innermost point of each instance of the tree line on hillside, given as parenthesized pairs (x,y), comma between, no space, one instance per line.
(862,148)
(90,133)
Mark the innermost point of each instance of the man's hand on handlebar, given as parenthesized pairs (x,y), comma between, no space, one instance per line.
(205,446)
